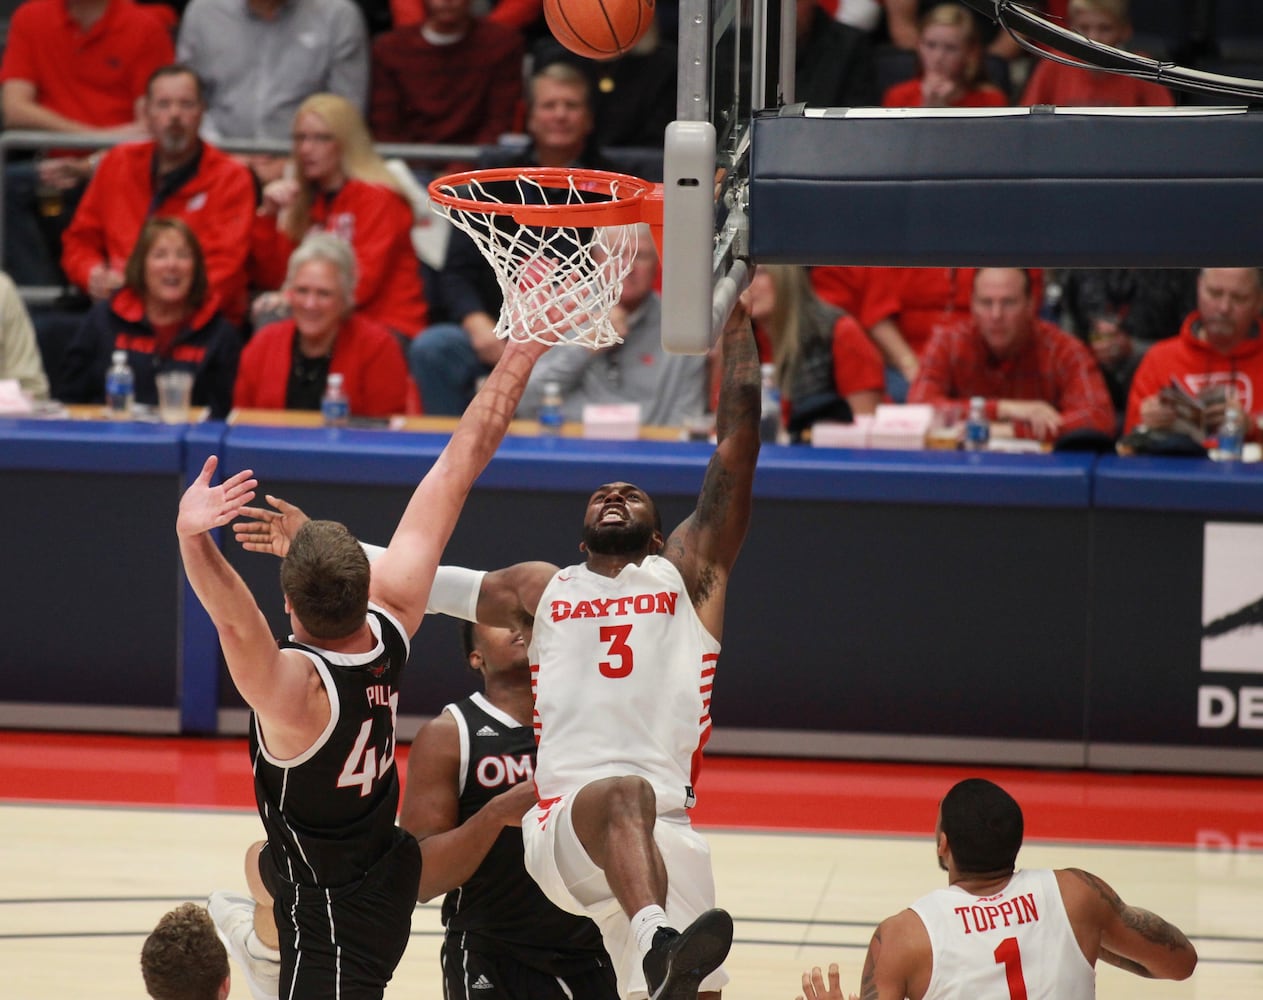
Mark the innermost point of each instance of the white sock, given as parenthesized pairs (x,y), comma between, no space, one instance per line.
(256,948)
(645,923)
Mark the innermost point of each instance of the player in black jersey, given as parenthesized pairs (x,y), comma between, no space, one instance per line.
(469,784)
(470,772)
(337,879)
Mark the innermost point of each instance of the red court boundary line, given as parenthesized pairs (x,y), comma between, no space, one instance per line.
(742,793)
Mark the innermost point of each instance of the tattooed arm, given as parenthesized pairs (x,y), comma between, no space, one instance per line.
(1127,936)
(705,546)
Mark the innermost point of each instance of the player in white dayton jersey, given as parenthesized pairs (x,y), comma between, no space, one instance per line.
(623,651)
(996,933)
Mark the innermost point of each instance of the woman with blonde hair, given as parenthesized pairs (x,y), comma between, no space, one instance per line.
(953,73)
(826,365)
(336,182)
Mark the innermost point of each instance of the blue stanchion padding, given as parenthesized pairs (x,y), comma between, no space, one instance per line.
(1189,484)
(925,477)
(90,446)
(388,458)
(199,654)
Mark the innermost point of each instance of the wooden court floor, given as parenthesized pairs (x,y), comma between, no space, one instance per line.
(101,835)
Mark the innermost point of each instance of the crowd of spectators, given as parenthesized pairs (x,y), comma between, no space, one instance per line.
(188,256)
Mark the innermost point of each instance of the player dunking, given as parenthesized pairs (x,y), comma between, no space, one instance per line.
(342,878)
(997,932)
(623,649)
(629,828)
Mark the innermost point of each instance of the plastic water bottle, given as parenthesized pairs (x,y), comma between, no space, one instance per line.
(977,427)
(769,405)
(120,387)
(551,418)
(335,408)
(1231,437)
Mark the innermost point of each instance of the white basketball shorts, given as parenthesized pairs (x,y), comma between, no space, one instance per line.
(568,877)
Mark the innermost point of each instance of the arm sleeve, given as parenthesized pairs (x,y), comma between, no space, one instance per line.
(934,378)
(1085,401)
(83,244)
(383,235)
(455,592)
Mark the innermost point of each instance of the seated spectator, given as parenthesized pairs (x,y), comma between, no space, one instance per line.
(260,59)
(20,357)
(448,358)
(174,174)
(340,185)
(77,67)
(455,79)
(903,24)
(952,71)
(1219,347)
(1031,373)
(1107,22)
(166,316)
(872,296)
(834,66)
(1120,312)
(183,958)
(285,364)
(668,387)
(826,366)
(633,96)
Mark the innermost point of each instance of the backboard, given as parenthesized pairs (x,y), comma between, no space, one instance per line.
(729,58)
(1029,187)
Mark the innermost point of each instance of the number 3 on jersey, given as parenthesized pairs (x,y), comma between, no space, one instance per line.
(1007,954)
(620,662)
(362,766)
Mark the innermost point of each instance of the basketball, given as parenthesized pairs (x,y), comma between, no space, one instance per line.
(598,29)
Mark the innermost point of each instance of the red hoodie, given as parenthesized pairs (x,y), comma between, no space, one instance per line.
(1196,364)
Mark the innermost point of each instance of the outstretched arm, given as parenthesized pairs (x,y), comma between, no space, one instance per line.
(249,649)
(705,546)
(1130,938)
(403,574)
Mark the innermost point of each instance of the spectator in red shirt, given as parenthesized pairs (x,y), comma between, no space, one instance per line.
(952,70)
(456,78)
(69,66)
(175,174)
(1220,346)
(1107,22)
(285,364)
(340,185)
(1031,373)
(823,357)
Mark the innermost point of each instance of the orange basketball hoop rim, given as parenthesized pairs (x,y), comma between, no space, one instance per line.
(631,199)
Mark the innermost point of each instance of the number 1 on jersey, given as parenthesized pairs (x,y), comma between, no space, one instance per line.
(616,636)
(1007,954)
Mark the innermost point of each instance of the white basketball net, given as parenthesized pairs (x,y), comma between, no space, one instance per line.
(559,282)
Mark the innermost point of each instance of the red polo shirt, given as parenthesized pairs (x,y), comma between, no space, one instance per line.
(92,76)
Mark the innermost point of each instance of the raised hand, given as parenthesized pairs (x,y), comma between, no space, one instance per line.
(204,506)
(814,986)
(270,530)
